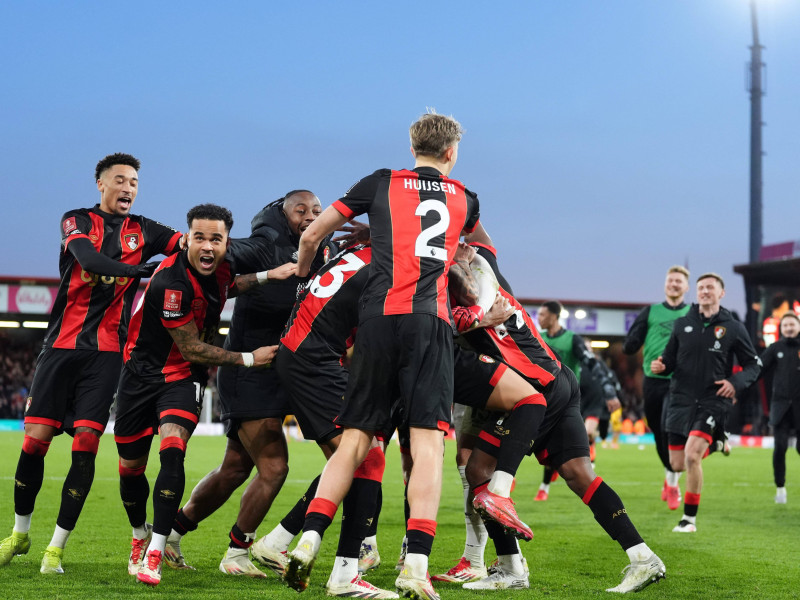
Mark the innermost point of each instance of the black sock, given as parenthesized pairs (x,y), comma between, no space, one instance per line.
(183,524)
(609,511)
(548,475)
(504,543)
(522,427)
(168,489)
(294,519)
(134,490)
(27,482)
(358,509)
(76,487)
(239,539)
(373,527)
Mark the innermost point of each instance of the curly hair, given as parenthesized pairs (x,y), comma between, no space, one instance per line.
(212,212)
(119,158)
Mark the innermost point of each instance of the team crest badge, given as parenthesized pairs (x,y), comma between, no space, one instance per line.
(172,300)
(486,359)
(28,404)
(326,254)
(719,332)
(69,225)
(131,240)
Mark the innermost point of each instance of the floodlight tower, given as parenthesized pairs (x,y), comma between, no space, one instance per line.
(754,86)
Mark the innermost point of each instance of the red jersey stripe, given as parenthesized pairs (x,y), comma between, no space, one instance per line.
(343,208)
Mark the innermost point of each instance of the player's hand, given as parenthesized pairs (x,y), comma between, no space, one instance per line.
(657,366)
(464,253)
(613,404)
(726,389)
(355,233)
(499,313)
(264,356)
(282,272)
(146,270)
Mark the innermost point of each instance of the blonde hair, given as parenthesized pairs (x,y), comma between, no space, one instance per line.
(678,269)
(432,134)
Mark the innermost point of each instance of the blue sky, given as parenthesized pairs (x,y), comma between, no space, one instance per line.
(606,140)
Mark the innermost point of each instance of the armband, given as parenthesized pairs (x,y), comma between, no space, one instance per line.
(262,277)
(248,359)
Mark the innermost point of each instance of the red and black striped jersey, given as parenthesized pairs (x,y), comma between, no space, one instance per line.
(176,295)
(326,312)
(415,218)
(92,311)
(517,341)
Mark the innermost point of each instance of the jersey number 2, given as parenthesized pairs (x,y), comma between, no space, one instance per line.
(423,247)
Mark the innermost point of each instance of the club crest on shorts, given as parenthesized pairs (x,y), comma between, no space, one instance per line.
(131,240)
(486,359)
(172,300)
(719,332)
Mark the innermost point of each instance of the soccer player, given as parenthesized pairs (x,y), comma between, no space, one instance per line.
(549,426)
(572,351)
(651,329)
(253,402)
(784,415)
(166,358)
(103,254)
(405,339)
(699,355)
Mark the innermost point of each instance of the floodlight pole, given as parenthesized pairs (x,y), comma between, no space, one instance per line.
(756,154)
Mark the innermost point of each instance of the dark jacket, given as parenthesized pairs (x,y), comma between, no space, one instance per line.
(784,357)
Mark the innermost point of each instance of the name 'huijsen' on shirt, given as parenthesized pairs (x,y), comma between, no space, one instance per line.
(429,186)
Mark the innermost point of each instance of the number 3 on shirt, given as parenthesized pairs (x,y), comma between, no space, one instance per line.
(423,247)
(350,263)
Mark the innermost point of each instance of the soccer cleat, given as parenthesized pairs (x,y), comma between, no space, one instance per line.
(401,560)
(780,496)
(237,562)
(541,496)
(417,589)
(673,497)
(14,545)
(357,588)
(51,561)
(173,557)
(500,579)
(138,548)
(592,453)
(298,569)
(463,572)
(368,558)
(266,555)
(502,511)
(150,569)
(496,564)
(664,491)
(638,575)
(684,526)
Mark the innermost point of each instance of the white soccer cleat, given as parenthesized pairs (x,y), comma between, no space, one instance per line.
(138,548)
(357,588)
(417,589)
(500,579)
(237,562)
(401,560)
(684,526)
(269,556)
(301,561)
(173,557)
(368,557)
(780,496)
(463,572)
(638,575)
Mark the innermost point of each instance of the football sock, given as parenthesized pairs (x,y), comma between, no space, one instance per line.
(319,515)
(279,538)
(169,485)
(373,528)
(345,569)
(140,531)
(79,479)
(358,509)
(182,524)
(30,474)
(500,483)
(691,502)
(22,523)
(420,533)
(639,552)
(60,537)
(475,543)
(547,477)
(240,539)
(134,490)
(157,542)
(504,543)
(610,513)
(294,519)
(523,427)
(545,487)
(416,564)
(673,478)
(511,563)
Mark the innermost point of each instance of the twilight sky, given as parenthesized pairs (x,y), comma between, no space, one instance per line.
(606,140)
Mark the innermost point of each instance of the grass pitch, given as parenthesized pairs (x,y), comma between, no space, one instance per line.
(746,546)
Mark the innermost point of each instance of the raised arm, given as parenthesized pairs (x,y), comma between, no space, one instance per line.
(329,221)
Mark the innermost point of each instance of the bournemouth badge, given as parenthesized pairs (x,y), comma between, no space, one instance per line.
(719,332)
(131,240)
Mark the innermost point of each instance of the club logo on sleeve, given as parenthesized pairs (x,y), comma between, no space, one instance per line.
(69,225)
(131,240)
(486,359)
(719,332)
(172,300)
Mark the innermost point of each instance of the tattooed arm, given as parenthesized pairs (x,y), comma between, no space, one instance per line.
(245,283)
(462,284)
(194,350)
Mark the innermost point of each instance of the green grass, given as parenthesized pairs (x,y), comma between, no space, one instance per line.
(746,546)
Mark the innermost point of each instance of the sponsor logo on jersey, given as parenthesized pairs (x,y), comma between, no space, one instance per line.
(172,300)
(69,225)
(131,240)
(93,237)
(486,359)
(719,332)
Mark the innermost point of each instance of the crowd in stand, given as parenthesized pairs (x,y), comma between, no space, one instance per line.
(17,359)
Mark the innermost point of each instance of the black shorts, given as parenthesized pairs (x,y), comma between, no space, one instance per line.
(73,388)
(143,406)
(593,407)
(475,377)
(315,393)
(401,356)
(248,394)
(705,417)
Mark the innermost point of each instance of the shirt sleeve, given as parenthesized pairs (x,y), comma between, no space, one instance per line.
(161,239)
(74,225)
(670,354)
(474,212)
(358,199)
(92,261)
(637,333)
(172,299)
(748,360)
